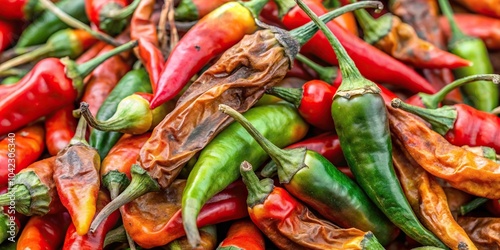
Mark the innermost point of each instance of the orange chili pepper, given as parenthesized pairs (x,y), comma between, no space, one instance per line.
(44,232)
(243,235)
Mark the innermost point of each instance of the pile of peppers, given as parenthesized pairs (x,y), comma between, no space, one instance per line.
(252,125)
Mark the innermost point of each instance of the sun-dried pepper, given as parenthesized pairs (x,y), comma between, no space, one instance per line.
(243,235)
(486,28)
(77,179)
(60,127)
(44,232)
(291,225)
(461,168)
(428,201)
(482,231)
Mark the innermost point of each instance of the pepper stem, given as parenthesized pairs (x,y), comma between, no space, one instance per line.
(22,198)
(477,202)
(456,32)
(255,6)
(258,190)
(284,6)
(373,29)
(289,161)
(141,184)
(186,11)
(326,74)
(432,101)
(80,133)
(124,13)
(291,95)
(441,119)
(27,57)
(13,72)
(114,236)
(74,23)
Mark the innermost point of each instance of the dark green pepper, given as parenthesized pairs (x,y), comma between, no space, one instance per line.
(361,123)
(219,162)
(311,178)
(136,80)
(483,95)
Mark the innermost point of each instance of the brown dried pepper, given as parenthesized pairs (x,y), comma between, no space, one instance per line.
(463,169)
(483,231)
(428,200)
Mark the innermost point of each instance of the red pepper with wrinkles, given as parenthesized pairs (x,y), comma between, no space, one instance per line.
(52,84)
(60,127)
(486,28)
(94,241)
(243,235)
(371,62)
(44,232)
(7,33)
(20,149)
(98,12)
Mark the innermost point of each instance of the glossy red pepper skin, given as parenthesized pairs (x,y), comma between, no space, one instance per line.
(373,63)
(44,232)
(26,146)
(154,59)
(94,241)
(299,70)
(13,10)
(494,207)
(326,144)
(315,105)
(486,28)
(98,9)
(195,50)
(7,34)
(243,235)
(45,89)
(60,127)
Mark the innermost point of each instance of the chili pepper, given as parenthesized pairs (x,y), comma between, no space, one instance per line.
(483,231)
(398,39)
(371,61)
(49,86)
(44,232)
(18,150)
(194,50)
(47,24)
(243,235)
(34,190)
(7,33)
(364,134)
(92,240)
(132,115)
(483,95)
(493,207)
(116,235)
(486,28)
(150,229)
(220,159)
(327,144)
(290,225)
(487,7)
(311,178)
(208,236)
(299,71)
(19,9)
(461,168)
(239,79)
(428,201)
(60,127)
(10,221)
(191,10)
(77,179)
(66,42)
(91,52)
(98,11)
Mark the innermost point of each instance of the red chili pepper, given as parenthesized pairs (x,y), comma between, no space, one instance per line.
(19,150)
(18,9)
(152,59)
(243,235)
(486,28)
(326,144)
(98,12)
(91,53)
(484,7)
(494,207)
(7,33)
(44,232)
(60,127)
(49,86)
(371,62)
(94,240)
(190,10)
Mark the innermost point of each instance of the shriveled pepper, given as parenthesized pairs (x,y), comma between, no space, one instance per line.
(20,149)
(34,191)
(365,140)
(98,11)
(191,10)
(485,7)
(483,95)
(44,232)
(461,168)
(291,225)
(60,127)
(243,235)
(218,163)
(49,86)
(483,231)
(92,240)
(486,28)
(311,178)
(77,179)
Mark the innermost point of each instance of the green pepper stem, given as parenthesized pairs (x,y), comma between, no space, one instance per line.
(374,29)
(108,125)
(74,23)
(13,72)
(255,6)
(432,101)
(475,203)
(186,11)
(456,32)
(14,52)
(326,74)
(141,184)
(40,52)
(125,12)
(441,119)
(4,227)
(114,236)
(258,190)
(303,33)
(291,95)
(284,6)
(331,4)
(80,133)
(21,196)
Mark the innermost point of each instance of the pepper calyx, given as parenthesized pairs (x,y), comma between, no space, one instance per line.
(73,73)
(109,25)
(258,190)
(350,93)
(115,181)
(38,201)
(186,11)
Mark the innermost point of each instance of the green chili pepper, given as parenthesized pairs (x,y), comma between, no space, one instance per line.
(10,80)
(483,95)
(219,162)
(310,177)
(361,123)
(136,80)
(47,24)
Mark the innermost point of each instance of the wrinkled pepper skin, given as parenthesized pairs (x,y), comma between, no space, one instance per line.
(243,235)
(482,230)
(44,232)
